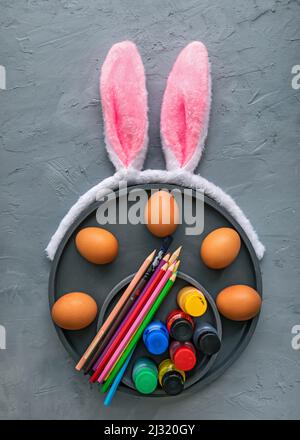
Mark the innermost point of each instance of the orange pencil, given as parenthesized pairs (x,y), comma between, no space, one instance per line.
(175,255)
(115,310)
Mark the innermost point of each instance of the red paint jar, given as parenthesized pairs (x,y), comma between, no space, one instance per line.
(180,325)
(183,354)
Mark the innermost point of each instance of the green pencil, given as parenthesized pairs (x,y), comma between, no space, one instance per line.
(139,332)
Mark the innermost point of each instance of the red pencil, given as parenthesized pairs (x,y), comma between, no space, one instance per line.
(131,318)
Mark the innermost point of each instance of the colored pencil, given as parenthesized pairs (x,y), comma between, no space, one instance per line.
(120,319)
(134,341)
(175,255)
(127,323)
(124,315)
(125,338)
(113,389)
(143,268)
(175,265)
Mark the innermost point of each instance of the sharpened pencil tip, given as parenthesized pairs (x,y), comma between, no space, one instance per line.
(151,256)
(178,250)
(166,257)
(173,276)
(175,255)
(176,266)
(171,267)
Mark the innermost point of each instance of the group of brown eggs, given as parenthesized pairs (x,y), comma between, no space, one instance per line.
(219,249)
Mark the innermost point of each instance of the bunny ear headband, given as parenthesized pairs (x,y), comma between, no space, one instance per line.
(184,124)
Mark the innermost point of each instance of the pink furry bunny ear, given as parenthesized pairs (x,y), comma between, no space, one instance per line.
(185,108)
(124,104)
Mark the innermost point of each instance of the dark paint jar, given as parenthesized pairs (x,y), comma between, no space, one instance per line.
(206,338)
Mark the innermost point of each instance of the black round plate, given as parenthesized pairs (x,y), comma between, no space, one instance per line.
(70,272)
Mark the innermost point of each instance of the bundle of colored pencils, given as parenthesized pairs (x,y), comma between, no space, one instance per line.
(110,351)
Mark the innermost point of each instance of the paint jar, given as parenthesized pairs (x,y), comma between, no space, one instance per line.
(156,337)
(144,375)
(183,354)
(192,301)
(170,378)
(206,338)
(180,325)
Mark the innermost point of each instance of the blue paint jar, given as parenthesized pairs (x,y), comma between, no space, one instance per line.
(156,337)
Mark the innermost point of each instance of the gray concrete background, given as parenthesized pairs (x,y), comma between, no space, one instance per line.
(52,151)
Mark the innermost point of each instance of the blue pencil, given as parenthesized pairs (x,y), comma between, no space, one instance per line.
(114,386)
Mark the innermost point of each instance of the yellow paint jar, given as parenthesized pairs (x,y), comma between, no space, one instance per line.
(192,301)
(171,379)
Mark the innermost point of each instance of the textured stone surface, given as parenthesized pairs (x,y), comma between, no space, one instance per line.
(52,150)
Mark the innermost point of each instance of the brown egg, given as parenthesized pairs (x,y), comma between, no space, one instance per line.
(238,302)
(74,311)
(97,245)
(220,248)
(162,214)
